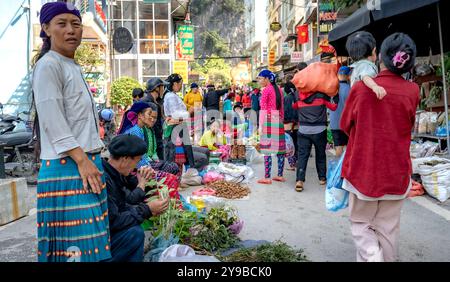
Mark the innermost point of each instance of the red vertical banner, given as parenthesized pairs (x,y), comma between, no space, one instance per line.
(302,34)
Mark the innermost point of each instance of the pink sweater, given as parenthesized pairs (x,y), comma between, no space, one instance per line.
(268,101)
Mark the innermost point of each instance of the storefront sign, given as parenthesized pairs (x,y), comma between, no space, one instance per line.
(286,50)
(272,59)
(122,40)
(296,57)
(275,26)
(182,68)
(185,43)
(327,17)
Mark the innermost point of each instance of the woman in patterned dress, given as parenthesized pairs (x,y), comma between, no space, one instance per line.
(271,126)
(72,218)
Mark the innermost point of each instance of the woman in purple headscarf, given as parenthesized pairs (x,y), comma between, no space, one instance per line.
(72,214)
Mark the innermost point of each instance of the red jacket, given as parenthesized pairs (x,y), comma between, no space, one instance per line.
(377,161)
(247,101)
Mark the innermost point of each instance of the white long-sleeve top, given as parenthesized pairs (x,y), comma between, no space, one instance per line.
(67,115)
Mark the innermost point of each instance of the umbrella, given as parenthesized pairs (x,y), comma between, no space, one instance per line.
(417,18)
(423,20)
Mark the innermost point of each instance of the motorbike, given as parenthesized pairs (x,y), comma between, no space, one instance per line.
(16,138)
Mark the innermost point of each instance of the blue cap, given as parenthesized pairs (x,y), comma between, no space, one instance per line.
(194,85)
(345,70)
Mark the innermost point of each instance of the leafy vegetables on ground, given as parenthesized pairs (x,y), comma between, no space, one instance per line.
(271,252)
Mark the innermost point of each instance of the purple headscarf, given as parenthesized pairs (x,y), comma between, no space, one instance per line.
(53,9)
(131,116)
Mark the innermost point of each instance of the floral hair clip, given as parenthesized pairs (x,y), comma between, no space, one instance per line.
(400,59)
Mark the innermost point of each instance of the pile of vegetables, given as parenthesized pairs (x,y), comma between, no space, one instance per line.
(213,233)
(229,190)
(271,252)
(203,232)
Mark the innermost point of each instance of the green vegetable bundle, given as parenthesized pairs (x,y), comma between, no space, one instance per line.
(272,252)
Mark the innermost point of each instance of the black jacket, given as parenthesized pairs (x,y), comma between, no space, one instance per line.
(122,214)
(312,111)
(211,101)
(158,127)
(290,115)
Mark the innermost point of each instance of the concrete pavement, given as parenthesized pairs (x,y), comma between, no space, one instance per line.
(300,219)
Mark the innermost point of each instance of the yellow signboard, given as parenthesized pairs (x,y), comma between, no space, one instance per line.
(182,68)
(272,58)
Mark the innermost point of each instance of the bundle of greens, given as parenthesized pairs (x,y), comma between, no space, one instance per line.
(165,222)
(271,252)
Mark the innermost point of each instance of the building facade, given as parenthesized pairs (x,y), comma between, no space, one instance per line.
(153,27)
(256,27)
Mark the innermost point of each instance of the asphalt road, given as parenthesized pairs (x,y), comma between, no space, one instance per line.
(300,219)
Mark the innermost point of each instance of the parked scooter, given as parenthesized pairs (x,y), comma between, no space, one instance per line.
(18,143)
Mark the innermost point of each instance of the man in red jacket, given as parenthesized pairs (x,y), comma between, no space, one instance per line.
(377,165)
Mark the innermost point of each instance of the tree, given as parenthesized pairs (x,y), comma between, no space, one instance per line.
(122,89)
(213,43)
(89,57)
(215,70)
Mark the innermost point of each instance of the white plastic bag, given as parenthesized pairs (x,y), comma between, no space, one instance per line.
(236,173)
(252,155)
(436,179)
(183,253)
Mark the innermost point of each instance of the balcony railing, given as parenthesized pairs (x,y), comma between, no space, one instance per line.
(97,8)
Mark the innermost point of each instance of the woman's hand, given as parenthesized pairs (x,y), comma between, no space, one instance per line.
(91,176)
(144,175)
(171,121)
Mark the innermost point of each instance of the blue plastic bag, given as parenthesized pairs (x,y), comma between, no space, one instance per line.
(187,206)
(336,198)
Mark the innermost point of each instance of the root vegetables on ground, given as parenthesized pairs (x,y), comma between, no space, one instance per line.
(229,190)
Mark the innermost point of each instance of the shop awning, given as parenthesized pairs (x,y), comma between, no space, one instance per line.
(291,37)
(282,60)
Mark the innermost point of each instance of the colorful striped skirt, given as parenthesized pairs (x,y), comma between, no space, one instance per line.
(73,225)
(273,140)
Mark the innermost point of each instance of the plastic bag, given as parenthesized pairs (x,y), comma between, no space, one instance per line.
(204,192)
(236,227)
(290,147)
(252,155)
(158,246)
(187,206)
(183,253)
(436,178)
(423,122)
(421,150)
(212,176)
(236,173)
(336,198)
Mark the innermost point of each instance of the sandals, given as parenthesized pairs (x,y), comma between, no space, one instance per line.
(279,179)
(265,181)
(299,186)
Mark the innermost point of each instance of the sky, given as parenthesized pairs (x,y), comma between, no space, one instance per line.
(13,49)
